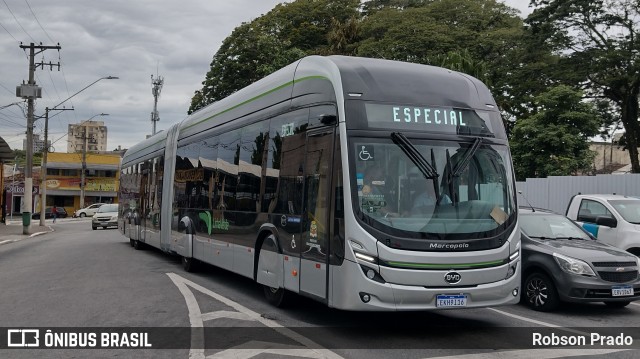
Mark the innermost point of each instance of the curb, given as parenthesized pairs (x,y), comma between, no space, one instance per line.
(30,236)
(40,233)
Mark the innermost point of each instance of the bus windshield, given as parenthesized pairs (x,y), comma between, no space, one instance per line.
(433,189)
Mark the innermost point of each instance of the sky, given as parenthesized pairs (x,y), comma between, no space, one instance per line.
(132,40)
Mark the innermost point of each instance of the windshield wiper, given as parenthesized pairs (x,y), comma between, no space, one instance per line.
(428,170)
(462,164)
(571,238)
(460,167)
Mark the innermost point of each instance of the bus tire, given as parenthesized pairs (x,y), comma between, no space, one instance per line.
(277,297)
(131,242)
(137,245)
(189,264)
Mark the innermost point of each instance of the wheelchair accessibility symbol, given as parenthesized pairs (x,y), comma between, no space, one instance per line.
(366,153)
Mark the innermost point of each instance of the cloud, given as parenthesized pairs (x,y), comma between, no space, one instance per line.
(128,39)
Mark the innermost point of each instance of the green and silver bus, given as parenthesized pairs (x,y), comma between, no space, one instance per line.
(365,184)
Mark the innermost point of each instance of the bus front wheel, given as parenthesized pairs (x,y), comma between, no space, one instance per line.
(189,264)
(276,296)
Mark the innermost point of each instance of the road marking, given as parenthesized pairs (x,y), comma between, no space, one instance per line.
(534,353)
(545,324)
(636,304)
(8,241)
(197,318)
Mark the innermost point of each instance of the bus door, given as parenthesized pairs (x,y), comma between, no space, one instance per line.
(315,232)
(144,190)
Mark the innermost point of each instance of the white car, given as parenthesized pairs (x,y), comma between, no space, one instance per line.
(87,212)
(107,216)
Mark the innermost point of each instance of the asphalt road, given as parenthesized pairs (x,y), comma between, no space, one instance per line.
(79,280)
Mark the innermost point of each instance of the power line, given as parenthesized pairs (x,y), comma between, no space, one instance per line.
(5,29)
(38,21)
(15,18)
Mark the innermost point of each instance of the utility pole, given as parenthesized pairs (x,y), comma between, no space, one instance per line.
(43,168)
(85,144)
(30,91)
(157,88)
(83,175)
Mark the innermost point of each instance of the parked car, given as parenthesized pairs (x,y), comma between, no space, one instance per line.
(62,213)
(88,211)
(106,216)
(564,263)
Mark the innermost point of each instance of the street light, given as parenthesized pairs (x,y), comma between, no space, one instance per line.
(43,168)
(84,157)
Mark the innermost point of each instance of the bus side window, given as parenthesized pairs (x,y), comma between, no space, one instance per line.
(323,115)
(252,153)
(228,159)
(287,136)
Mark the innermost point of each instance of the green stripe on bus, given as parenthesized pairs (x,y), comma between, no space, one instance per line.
(290,83)
(151,145)
(445,266)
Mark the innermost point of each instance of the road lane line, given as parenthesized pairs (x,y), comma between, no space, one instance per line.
(534,353)
(636,304)
(538,322)
(197,339)
(312,350)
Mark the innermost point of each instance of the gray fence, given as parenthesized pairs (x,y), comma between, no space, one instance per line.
(554,192)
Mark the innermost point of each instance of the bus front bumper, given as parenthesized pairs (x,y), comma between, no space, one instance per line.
(363,294)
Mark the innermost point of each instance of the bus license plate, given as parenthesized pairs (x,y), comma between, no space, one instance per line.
(621,291)
(451,301)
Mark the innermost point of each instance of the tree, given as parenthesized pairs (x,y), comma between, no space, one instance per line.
(287,33)
(554,140)
(598,45)
(483,37)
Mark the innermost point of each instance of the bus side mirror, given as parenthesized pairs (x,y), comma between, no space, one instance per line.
(607,221)
(328,119)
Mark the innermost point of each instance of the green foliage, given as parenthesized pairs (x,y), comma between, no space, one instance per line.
(598,43)
(564,42)
(553,141)
(287,33)
(20,157)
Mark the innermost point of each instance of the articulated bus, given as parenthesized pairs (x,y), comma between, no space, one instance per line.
(365,184)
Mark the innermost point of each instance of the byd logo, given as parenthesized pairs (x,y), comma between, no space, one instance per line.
(452,277)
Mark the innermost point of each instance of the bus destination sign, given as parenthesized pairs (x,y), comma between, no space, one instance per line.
(429,118)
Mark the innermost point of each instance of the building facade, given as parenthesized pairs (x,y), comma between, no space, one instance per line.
(38,144)
(88,135)
(64,172)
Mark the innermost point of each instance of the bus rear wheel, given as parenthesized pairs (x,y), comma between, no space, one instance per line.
(137,244)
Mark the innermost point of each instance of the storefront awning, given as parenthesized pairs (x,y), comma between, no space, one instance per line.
(6,153)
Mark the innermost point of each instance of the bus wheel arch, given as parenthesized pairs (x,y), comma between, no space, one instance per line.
(269,268)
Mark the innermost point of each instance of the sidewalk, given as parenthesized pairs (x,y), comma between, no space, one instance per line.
(13,232)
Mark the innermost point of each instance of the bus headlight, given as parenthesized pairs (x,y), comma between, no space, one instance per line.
(365,257)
